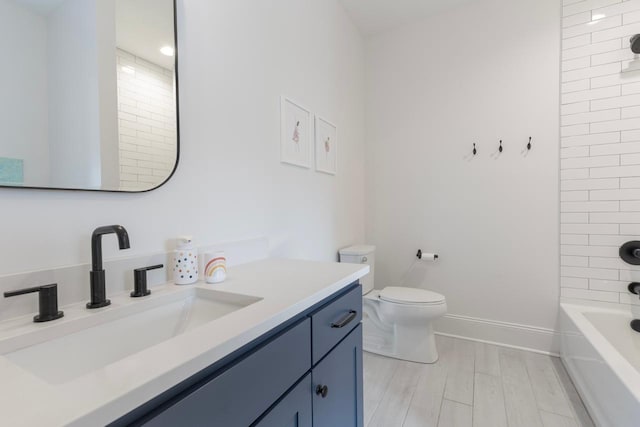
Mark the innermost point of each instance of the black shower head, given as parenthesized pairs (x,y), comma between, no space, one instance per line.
(635,43)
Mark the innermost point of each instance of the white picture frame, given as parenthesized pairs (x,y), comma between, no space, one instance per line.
(296,133)
(326,146)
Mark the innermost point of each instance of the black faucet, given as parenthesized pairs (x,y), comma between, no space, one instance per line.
(634,288)
(48,301)
(97,276)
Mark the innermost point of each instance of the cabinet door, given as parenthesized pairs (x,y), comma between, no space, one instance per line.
(340,403)
(294,410)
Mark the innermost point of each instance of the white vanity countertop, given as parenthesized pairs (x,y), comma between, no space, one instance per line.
(287,288)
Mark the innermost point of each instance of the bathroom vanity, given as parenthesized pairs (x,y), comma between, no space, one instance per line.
(288,353)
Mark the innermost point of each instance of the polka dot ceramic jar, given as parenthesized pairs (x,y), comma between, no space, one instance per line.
(185,262)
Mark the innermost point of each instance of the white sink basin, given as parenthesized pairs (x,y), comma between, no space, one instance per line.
(87,341)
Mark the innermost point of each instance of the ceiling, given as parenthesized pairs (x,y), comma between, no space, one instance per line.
(145,26)
(42,7)
(375,16)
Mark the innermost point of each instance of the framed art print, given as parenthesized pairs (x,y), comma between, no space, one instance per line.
(326,146)
(295,133)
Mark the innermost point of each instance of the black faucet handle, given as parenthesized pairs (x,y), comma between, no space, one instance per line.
(140,281)
(47,301)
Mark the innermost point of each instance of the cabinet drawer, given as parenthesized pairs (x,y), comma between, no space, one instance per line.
(334,321)
(242,393)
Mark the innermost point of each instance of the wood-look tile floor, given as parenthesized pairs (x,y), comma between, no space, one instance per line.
(472,384)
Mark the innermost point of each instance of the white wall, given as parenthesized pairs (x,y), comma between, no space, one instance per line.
(236,58)
(73,95)
(600,149)
(478,73)
(23,108)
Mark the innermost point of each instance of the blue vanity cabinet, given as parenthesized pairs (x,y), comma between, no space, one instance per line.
(294,410)
(340,404)
(305,373)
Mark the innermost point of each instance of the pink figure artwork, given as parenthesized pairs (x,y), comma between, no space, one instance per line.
(296,133)
(327,146)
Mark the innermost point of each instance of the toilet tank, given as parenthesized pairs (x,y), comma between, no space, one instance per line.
(361,254)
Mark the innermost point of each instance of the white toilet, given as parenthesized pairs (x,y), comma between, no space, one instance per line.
(397,321)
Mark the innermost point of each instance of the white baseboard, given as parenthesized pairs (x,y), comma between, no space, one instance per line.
(531,338)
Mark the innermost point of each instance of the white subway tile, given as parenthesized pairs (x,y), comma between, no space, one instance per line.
(630,159)
(601,138)
(615,79)
(579,18)
(631,17)
(592,117)
(575,64)
(606,262)
(589,228)
(574,282)
(590,184)
(630,112)
(589,295)
(576,107)
(576,86)
(566,153)
(592,26)
(630,206)
(608,239)
(589,273)
(629,182)
(585,6)
(590,207)
(631,88)
(606,58)
(618,8)
(620,148)
(591,72)
(630,135)
(614,33)
(629,298)
(616,171)
(597,92)
(624,194)
(593,251)
(574,261)
(630,229)
(616,102)
(588,162)
(629,275)
(591,49)
(615,125)
(574,196)
(567,174)
(614,218)
(574,239)
(574,218)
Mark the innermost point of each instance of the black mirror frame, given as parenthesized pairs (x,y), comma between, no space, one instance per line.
(175,167)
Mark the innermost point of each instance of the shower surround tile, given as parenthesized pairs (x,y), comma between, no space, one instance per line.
(600,148)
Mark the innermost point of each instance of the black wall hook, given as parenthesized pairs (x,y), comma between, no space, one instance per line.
(500,148)
(529,144)
(475,151)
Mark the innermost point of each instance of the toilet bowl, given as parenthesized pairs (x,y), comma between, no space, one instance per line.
(397,321)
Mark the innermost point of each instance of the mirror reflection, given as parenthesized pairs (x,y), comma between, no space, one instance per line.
(88,94)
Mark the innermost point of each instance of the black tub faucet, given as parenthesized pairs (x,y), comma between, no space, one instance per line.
(97,276)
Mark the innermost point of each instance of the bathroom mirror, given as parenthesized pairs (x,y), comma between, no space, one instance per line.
(89,94)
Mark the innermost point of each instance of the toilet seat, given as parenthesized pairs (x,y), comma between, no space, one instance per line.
(411,296)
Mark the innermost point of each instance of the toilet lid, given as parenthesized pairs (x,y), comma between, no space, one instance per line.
(410,296)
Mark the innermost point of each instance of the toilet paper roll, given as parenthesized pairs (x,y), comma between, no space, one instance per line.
(428,257)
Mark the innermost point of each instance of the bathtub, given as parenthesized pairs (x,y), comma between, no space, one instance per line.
(602,355)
